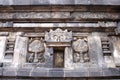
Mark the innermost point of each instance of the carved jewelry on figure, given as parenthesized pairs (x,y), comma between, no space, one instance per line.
(80,48)
(36,47)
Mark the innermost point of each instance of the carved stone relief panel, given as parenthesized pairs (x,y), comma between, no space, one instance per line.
(80,48)
(58,35)
(36,50)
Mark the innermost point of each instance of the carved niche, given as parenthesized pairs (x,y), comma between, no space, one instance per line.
(80,48)
(58,35)
(36,50)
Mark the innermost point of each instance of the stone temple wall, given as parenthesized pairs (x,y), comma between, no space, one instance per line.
(59,40)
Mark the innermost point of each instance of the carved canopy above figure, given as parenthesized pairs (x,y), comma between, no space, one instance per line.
(58,37)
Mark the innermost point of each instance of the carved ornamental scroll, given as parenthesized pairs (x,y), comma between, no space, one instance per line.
(58,37)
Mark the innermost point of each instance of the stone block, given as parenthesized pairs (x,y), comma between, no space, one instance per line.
(61,2)
(82,2)
(20,49)
(39,72)
(111,72)
(38,2)
(60,14)
(81,72)
(5,2)
(21,2)
(98,1)
(95,72)
(24,71)
(1,71)
(9,71)
(3,41)
(56,72)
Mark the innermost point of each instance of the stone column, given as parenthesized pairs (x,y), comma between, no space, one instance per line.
(20,51)
(95,50)
(68,57)
(3,41)
(116,50)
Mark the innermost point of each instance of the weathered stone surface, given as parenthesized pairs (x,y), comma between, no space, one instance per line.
(3,41)
(95,50)
(42,2)
(60,2)
(68,58)
(82,72)
(20,51)
(99,24)
(76,16)
(94,15)
(116,50)
(111,72)
(20,2)
(56,73)
(95,72)
(9,72)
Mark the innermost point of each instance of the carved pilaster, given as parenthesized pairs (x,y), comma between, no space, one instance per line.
(3,41)
(20,50)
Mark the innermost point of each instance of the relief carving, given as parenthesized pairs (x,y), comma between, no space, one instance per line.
(80,48)
(36,49)
(58,35)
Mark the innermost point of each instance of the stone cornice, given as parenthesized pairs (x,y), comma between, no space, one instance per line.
(59,2)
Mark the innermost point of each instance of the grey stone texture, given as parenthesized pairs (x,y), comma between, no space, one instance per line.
(60,2)
(65,21)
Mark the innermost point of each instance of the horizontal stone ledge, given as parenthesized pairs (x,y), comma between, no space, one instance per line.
(59,2)
(45,25)
(52,72)
(59,15)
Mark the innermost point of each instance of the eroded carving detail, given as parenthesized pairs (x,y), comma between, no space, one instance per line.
(80,48)
(58,36)
(36,49)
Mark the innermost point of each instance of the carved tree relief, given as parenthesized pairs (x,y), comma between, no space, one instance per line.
(36,47)
(80,48)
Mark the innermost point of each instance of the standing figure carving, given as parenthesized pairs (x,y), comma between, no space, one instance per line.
(80,48)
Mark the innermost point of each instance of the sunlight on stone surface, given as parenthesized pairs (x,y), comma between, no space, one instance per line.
(59,39)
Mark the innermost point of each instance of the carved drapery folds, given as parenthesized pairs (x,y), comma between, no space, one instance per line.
(36,50)
(80,48)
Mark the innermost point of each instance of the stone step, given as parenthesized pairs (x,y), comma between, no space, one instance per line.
(9,51)
(107,52)
(105,43)
(105,47)
(11,42)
